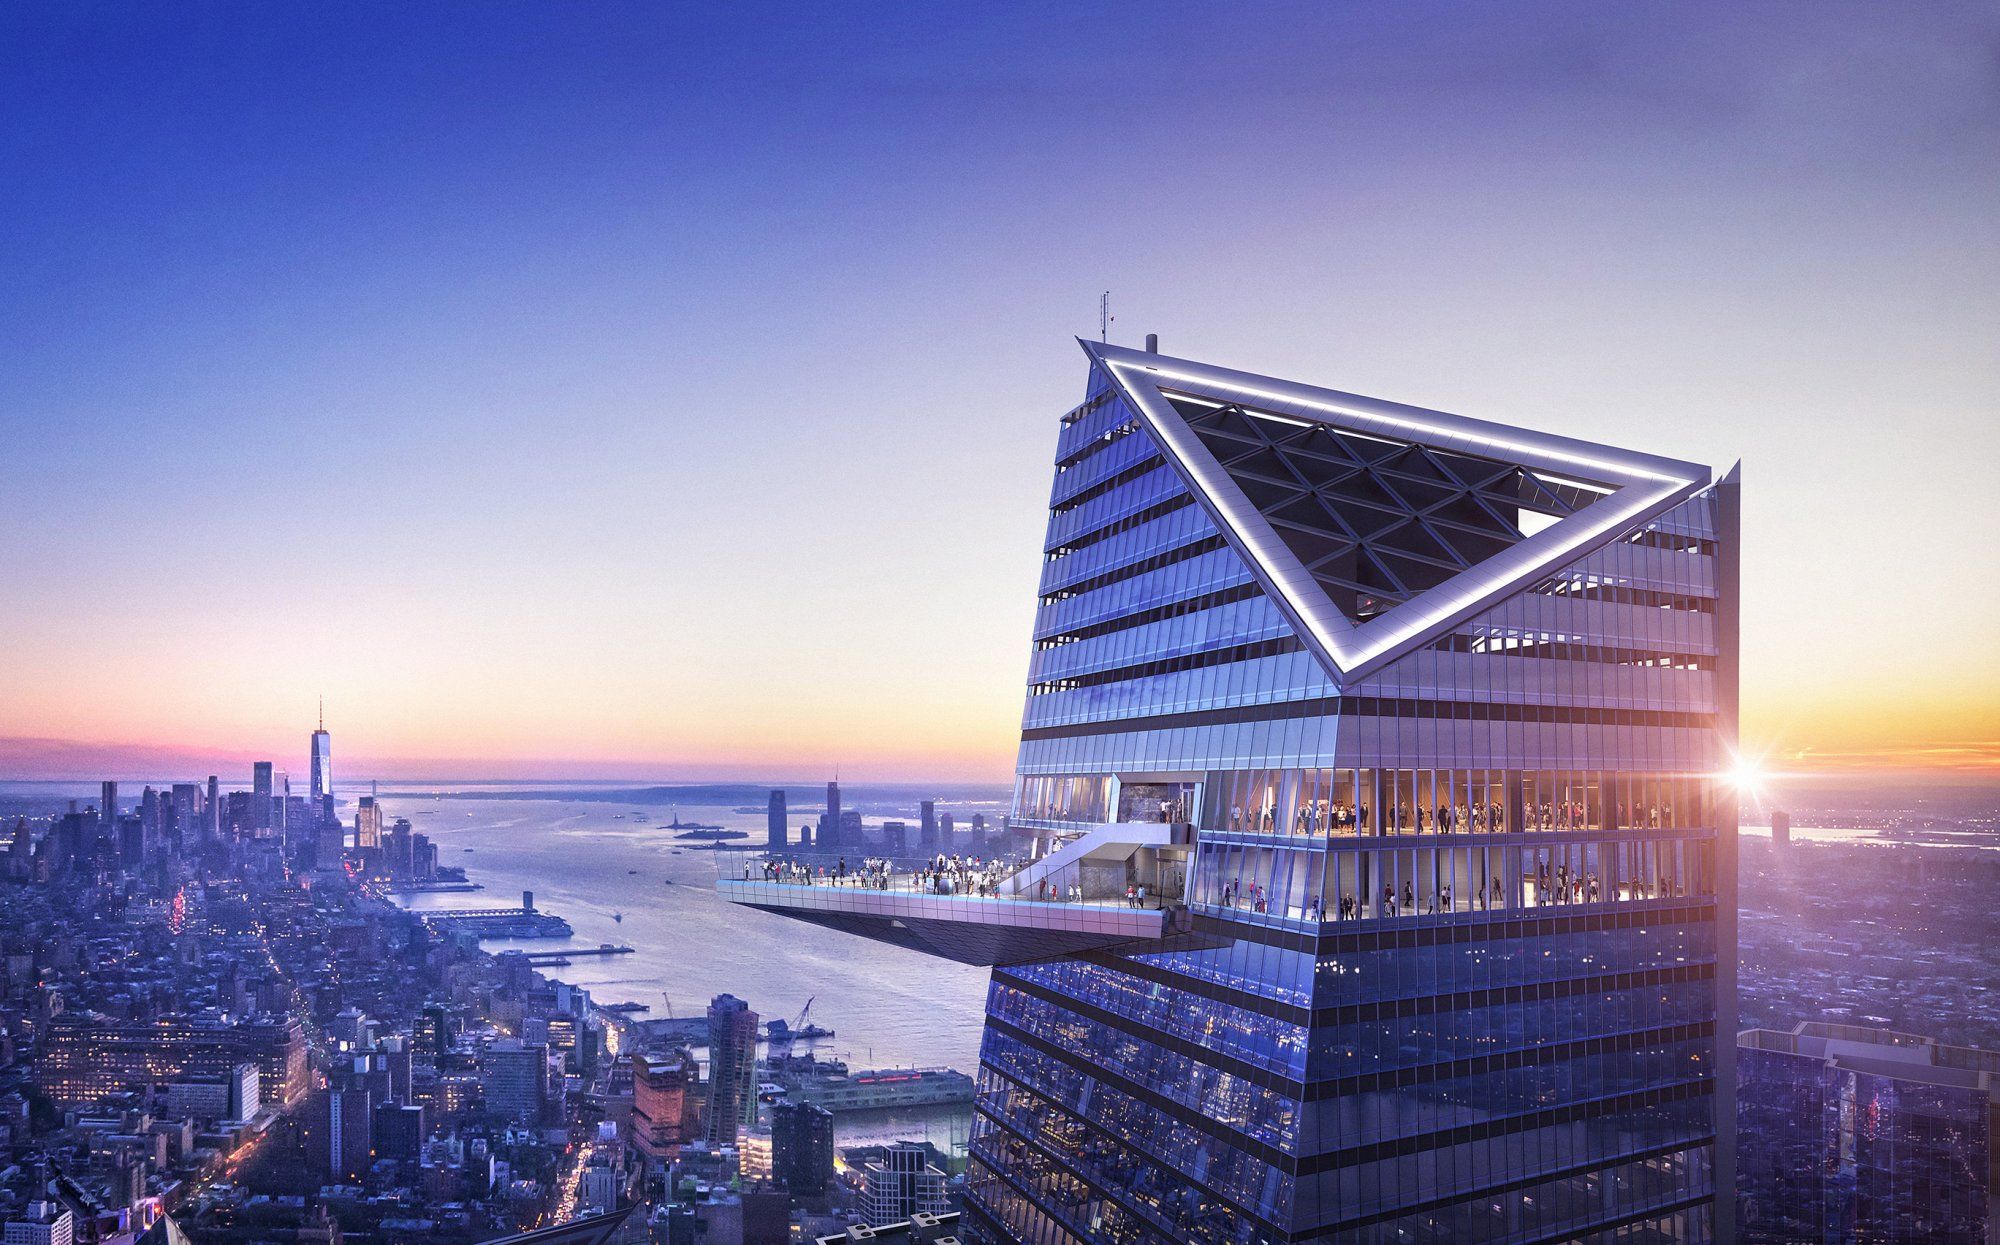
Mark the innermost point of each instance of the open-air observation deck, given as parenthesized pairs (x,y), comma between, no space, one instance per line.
(1019,918)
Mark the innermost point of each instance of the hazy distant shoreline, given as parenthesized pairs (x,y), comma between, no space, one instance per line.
(713,793)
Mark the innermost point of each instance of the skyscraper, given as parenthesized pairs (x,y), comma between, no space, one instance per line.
(367,824)
(262,801)
(107,805)
(732,1068)
(1851,1133)
(927,825)
(187,819)
(775,822)
(322,764)
(659,1103)
(802,1147)
(516,1076)
(1409,722)
(214,809)
(830,821)
(345,1119)
(901,1183)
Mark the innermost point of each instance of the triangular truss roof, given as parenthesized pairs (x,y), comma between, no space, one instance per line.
(1440,551)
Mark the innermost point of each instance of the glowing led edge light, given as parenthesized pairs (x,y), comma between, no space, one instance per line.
(1647,484)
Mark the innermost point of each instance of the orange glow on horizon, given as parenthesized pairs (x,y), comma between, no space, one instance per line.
(899,743)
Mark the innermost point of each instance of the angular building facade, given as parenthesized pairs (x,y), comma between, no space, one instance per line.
(1409,726)
(1853,1133)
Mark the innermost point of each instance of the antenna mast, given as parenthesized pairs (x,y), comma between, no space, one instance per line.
(1104,316)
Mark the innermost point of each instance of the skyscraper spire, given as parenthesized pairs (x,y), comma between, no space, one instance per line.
(322,765)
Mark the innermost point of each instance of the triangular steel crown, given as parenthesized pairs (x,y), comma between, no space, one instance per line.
(1642,487)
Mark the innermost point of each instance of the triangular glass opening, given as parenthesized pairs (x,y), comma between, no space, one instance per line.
(1377,521)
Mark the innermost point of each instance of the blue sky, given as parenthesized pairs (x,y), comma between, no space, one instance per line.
(671,390)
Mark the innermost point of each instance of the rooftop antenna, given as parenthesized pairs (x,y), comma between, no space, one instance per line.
(322,711)
(1104,316)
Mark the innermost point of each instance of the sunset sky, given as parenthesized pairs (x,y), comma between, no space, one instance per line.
(666,391)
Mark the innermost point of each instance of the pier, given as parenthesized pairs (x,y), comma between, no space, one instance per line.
(522,922)
(477,914)
(557,959)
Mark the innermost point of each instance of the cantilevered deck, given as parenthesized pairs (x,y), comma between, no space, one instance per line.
(971,929)
(1035,913)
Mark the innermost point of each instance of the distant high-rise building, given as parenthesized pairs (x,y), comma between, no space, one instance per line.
(927,825)
(660,1112)
(895,837)
(1781,828)
(367,824)
(1407,722)
(829,822)
(802,1147)
(262,793)
(732,1068)
(20,853)
(398,844)
(214,809)
(187,805)
(346,1119)
(903,1182)
(1847,1133)
(775,822)
(236,818)
(322,764)
(399,1131)
(946,828)
(516,1076)
(107,804)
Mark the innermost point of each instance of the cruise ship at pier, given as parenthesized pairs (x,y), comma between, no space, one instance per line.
(837,1090)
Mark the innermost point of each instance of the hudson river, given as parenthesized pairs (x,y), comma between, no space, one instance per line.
(589,860)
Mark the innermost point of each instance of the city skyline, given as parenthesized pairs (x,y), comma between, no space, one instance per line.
(1036,624)
(745,362)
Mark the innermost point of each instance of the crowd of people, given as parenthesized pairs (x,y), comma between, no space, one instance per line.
(1328,817)
(1558,886)
(960,875)
(869,873)
(940,875)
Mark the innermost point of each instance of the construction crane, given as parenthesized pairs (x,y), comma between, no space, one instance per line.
(803,1028)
